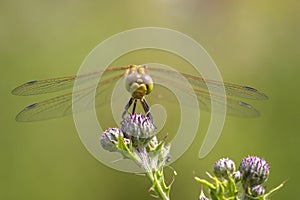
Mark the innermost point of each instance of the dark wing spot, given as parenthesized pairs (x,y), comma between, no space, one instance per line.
(245,105)
(250,88)
(31,106)
(31,82)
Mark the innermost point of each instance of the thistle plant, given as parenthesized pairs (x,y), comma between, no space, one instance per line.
(242,184)
(137,141)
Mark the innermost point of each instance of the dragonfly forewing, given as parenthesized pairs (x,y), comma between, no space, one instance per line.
(197,82)
(61,83)
(61,105)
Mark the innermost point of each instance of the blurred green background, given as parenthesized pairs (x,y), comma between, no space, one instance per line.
(252,42)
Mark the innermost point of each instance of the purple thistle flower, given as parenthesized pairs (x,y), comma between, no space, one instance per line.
(254,170)
(138,126)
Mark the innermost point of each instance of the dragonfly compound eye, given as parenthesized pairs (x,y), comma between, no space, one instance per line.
(148,82)
(130,79)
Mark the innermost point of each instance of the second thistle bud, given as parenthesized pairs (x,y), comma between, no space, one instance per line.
(224,168)
(109,139)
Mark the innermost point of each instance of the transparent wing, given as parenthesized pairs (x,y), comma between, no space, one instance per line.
(62,105)
(233,90)
(62,83)
(234,106)
(48,109)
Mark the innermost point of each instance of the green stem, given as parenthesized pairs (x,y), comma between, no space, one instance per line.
(155,175)
(158,185)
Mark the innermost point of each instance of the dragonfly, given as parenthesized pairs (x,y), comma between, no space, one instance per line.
(138,81)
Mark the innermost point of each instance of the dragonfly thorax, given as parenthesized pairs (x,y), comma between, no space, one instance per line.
(138,91)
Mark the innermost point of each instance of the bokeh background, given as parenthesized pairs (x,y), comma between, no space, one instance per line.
(252,42)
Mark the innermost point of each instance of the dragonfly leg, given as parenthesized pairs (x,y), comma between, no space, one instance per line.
(146,108)
(134,106)
(127,107)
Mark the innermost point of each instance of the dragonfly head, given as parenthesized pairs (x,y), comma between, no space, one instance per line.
(139,84)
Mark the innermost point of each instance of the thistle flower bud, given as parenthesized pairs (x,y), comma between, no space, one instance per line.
(257,190)
(138,126)
(224,167)
(153,143)
(254,170)
(202,196)
(237,176)
(109,139)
